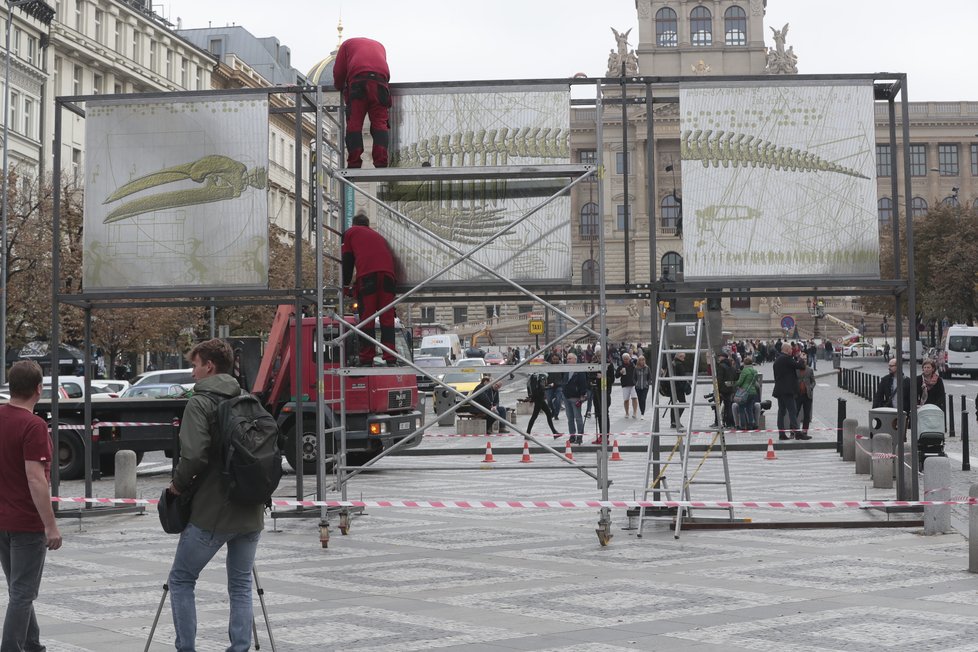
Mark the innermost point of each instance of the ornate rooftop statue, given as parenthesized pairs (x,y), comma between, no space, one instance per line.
(623,55)
(779,60)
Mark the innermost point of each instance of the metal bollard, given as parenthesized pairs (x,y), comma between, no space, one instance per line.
(882,466)
(973,531)
(849,440)
(965,445)
(96,452)
(839,421)
(950,415)
(863,445)
(125,474)
(937,486)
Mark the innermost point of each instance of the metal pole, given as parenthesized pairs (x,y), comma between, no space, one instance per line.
(652,201)
(898,309)
(965,447)
(55,322)
(625,171)
(840,417)
(948,419)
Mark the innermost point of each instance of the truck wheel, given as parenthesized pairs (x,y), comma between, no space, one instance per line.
(71,456)
(309,452)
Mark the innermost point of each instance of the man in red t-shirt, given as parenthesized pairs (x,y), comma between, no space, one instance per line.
(360,72)
(28,528)
(369,252)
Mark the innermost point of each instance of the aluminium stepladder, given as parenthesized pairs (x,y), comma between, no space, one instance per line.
(681,453)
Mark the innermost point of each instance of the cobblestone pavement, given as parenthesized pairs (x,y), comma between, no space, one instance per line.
(511,579)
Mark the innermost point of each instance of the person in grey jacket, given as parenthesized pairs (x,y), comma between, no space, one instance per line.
(806,392)
(215,521)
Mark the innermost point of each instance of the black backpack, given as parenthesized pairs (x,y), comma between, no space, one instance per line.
(537,383)
(250,450)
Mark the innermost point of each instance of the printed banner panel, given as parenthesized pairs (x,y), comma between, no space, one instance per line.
(176,194)
(480,128)
(779,180)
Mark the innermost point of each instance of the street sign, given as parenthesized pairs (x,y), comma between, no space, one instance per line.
(787,322)
(536,327)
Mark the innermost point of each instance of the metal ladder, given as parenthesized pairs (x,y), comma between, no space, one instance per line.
(656,465)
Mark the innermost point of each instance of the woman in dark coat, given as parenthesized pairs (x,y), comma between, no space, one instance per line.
(930,387)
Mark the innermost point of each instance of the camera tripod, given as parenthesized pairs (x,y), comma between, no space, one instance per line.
(254,626)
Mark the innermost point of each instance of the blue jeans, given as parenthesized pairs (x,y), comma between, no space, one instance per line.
(22,557)
(575,420)
(748,415)
(195,549)
(555,399)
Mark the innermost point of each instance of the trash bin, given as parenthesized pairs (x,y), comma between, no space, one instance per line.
(930,433)
(444,401)
(837,360)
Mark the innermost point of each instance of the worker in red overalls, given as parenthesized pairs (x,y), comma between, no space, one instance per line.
(360,72)
(369,252)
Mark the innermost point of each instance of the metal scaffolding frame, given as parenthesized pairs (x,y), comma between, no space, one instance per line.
(657,90)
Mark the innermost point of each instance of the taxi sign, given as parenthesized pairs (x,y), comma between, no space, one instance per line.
(536,327)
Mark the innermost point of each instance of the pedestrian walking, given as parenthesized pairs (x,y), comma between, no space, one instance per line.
(805,396)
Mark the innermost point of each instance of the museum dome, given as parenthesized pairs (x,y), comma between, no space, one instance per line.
(321,74)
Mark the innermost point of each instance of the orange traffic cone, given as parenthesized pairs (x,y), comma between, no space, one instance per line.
(526,453)
(568,453)
(489,457)
(615,453)
(770,450)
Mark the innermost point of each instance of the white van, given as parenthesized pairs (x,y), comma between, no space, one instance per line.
(446,346)
(959,351)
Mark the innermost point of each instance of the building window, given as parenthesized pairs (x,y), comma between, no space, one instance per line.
(199,79)
(588,157)
(919,206)
(427,314)
(216,47)
(137,47)
(99,19)
(29,118)
(974,159)
(169,64)
(525,308)
(56,76)
(620,223)
(76,162)
(32,50)
(885,209)
(15,42)
(589,273)
(14,111)
(666,28)
(735,26)
(883,167)
(118,35)
(460,314)
(79,18)
(918,160)
(670,209)
(947,160)
(184,73)
(154,56)
(620,162)
(589,221)
(117,88)
(98,84)
(672,267)
(492,311)
(77,80)
(701,27)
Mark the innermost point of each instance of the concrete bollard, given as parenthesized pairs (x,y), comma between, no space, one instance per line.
(882,467)
(937,486)
(863,447)
(125,474)
(973,532)
(849,439)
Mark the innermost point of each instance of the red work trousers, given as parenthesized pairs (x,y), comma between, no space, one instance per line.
(373,294)
(370,98)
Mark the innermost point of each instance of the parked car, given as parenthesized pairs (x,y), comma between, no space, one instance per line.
(471,362)
(165,377)
(495,357)
(148,390)
(115,386)
(861,348)
(463,382)
(425,383)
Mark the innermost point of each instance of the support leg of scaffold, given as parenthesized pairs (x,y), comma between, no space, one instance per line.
(324,533)
(604,527)
(345,521)
(156,620)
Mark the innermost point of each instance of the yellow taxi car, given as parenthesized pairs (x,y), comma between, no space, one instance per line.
(462,380)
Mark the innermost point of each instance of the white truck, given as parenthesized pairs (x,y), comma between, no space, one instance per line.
(446,345)
(959,351)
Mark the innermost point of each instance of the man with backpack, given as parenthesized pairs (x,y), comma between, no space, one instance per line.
(216,518)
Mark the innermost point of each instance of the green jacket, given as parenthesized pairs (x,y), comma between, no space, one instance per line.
(211,510)
(748,380)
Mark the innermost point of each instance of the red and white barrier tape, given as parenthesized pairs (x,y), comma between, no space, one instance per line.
(558,504)
(631,433)
(109,424)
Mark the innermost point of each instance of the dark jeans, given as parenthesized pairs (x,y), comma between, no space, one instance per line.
(642,395)
(540,404)
(805,405)
(22,556)
(787,411)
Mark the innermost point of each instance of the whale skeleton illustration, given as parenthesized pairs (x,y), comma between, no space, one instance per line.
(222,178)
(727,148)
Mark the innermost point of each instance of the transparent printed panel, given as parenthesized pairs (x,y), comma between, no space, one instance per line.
(176,194)
(480,128)
(779,179)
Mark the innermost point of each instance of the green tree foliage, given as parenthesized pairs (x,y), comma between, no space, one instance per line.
(945,265)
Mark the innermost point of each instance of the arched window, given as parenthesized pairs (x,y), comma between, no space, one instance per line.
(951,201)
(885,209)
(672,266)
(919,206)
(735,26)
(701,27)
(666,28)
(670,209)
(589,221)
(589,273)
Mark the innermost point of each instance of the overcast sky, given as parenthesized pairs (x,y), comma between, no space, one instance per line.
(446,40)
